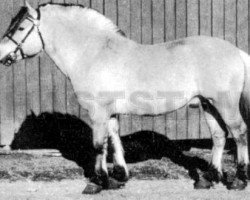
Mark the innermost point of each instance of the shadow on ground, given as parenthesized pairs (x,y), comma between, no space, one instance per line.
(73,138)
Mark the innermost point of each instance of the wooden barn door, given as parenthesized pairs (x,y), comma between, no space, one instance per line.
(36,85)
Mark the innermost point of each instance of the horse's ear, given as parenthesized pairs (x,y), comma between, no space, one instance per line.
(31,10)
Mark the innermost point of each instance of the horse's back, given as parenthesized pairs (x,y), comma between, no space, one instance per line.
(192,60)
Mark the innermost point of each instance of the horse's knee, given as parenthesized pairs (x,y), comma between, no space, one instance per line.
(100,135)
(113,126)
(219,139)
(240,134)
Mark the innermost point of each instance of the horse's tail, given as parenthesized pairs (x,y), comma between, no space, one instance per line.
(245,96)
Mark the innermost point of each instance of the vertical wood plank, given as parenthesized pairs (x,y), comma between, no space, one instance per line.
(85,3)
(19,79)
(135,22)
(46,83)
(205,29)
(146,22)
(218,18)
(192,17)
(170,20)
(73,106)
(158,21)
(32,79)
(158,9)
(123,16)
(110,9)
(230,21)
(181,31)
(193,29)
(97,5)
(59,85)
(124,24)
(19,75)
(181,21)
(136,33)
(206,17)
(6,82)
(171,125)
(242,25)
(147,38)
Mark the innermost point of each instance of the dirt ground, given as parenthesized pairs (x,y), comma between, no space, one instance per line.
(135,189)
(34,177)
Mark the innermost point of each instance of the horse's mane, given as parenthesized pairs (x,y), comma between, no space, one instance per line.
(16,21)
(119,31)
(62,4)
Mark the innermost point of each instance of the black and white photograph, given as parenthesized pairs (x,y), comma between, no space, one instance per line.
(124,99)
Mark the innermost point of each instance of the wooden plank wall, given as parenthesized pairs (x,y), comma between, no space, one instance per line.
(37,85)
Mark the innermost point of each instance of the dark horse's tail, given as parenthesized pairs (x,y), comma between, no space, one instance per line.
(245,96)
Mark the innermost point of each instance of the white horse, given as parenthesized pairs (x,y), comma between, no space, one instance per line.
(111,74)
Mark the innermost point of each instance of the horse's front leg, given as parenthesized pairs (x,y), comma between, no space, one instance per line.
(100,141)
(101,179)
(120,171)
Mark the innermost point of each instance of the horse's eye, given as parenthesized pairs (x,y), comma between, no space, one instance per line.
(20,28)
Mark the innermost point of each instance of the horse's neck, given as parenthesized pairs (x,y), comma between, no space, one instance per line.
(71,41)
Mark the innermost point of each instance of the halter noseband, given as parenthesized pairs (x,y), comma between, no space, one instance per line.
(11,58)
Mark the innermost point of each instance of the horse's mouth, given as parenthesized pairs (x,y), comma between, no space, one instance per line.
(9,59)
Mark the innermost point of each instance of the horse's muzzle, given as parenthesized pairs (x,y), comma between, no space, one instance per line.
(9,59)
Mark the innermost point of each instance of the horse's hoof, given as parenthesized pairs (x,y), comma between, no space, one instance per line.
(203,184)
(114,184)
(237,184)
(119,173)
(92,188)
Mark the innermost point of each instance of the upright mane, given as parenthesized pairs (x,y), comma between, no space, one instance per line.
(105,22)
(16,21)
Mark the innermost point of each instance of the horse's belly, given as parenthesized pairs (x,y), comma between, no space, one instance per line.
(144,104)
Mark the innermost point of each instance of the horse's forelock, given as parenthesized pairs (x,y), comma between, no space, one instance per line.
(16,21)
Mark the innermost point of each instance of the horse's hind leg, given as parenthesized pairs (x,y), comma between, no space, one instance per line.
(230,112)
(229,118)
(120,171)
(239,131)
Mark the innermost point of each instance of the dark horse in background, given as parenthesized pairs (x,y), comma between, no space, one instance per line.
(73,138)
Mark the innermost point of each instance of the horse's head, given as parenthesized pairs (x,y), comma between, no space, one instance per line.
(23,38)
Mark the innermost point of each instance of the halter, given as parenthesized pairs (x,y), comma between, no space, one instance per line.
(11,57)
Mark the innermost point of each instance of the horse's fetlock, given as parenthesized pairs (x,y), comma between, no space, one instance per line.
(213,174)
(242,170)
(119,173)
(101,178)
